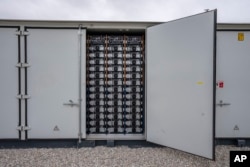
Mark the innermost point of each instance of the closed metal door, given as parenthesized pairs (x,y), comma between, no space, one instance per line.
(233,81)
(53,83)
(9,84)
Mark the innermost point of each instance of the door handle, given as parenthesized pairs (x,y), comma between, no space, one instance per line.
(71,103)
(221,104)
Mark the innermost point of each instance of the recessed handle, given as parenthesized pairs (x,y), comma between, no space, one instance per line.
(71,103)
(221,104)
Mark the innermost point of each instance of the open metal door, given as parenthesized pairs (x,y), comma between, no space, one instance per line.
(181,84)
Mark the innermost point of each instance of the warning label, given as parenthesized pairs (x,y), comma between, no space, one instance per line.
(240,36)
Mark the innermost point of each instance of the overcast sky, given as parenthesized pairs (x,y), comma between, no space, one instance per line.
(233,11)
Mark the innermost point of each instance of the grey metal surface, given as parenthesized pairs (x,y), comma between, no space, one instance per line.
(9,83)
(23,126)
(180,84)
(233,66)
(98,26)
(115,137)
(53,81)
(81,83)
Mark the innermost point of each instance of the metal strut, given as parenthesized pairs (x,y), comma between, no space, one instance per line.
(80,84)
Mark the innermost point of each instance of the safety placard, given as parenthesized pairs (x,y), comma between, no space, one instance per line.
(240,36)
(220,84)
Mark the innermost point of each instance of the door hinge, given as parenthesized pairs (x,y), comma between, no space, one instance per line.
(80,32)
(22,33)
(21,96)
(23,128)
(22,65)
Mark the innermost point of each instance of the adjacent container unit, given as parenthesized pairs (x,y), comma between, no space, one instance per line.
(233,93)
(121,81)
(10,82)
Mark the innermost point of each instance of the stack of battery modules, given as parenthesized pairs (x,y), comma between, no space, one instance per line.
(115,84)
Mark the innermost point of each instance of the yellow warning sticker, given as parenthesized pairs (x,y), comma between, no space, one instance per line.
(240,36)
(199,83)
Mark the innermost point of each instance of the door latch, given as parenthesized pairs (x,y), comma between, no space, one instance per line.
(23,128)
(71,103)
(221,103)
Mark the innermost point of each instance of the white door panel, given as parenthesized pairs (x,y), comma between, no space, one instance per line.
(180,84)
(9,83)
(233,57)
(53,79)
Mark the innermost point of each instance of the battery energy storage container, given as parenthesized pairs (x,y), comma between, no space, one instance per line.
(91,81)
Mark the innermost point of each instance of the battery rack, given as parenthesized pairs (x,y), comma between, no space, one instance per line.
(115,84)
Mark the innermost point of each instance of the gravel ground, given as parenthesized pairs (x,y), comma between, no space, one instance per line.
(107,156)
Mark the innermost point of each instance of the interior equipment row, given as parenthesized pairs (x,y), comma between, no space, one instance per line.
(115,84)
